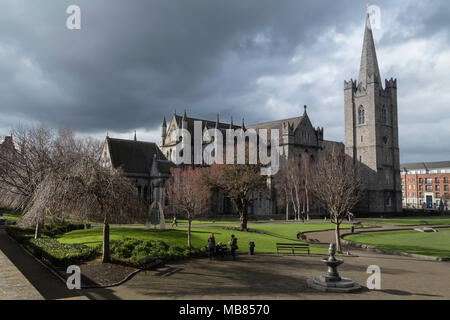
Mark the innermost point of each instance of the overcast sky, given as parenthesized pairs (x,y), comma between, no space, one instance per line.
(135,61)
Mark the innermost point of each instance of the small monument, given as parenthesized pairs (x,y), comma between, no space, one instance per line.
(332,281)
(156,216)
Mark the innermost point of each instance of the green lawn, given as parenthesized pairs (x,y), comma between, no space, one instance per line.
(408,221)
(410,241)
(178,237)
(11,216)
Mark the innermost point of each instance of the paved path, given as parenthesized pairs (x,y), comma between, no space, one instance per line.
(266,276)
(13,285)
(25,273)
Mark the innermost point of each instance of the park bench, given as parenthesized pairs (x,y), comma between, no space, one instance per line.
(293,247)
(150,262)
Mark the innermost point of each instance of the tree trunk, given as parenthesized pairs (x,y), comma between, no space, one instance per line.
(244,219)
(106,253)
(189,232)
(37,231)
(338,238)
(287,207)
(307,204)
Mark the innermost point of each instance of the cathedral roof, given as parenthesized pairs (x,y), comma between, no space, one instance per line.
(278,124)
(369,71)
(136,156)
(209,124)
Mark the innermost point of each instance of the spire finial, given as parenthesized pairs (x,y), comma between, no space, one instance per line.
(135,138)
(231,123)
(243,124)
(184,115)
(305,107)
(164,124)
(174,112)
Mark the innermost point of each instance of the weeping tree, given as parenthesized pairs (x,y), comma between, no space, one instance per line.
(29,155)
(335,181)
(87,191)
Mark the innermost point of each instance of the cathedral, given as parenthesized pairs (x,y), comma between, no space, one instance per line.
(371,138)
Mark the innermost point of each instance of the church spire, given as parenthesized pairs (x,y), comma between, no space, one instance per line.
(369,71)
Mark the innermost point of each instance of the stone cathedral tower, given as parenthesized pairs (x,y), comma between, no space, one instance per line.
(371,132)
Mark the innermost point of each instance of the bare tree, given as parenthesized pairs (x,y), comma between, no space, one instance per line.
(335,181)
(86,190)
(241,183)
(35,152)
(187,192)
(292,180)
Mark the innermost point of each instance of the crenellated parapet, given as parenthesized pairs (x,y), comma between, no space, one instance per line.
(351,84)
(391,83)
(319,132)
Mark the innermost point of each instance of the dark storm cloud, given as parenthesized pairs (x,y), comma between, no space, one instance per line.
(135,61)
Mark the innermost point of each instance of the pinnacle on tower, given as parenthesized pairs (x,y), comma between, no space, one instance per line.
(135,138)
(369,71)
(243,124)
(231,123)
(305,107)
(184,115)
(217,121)
(164,124)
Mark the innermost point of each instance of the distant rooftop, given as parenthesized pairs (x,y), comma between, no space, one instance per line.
(427,166)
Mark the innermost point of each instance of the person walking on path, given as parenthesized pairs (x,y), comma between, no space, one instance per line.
(174,222)
(233,246)
(211,246)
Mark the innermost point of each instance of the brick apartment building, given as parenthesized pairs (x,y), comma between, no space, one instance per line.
(425,185)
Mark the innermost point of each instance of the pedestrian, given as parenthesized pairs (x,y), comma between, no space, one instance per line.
(174,222)
(349,215)
(211,246)
(233,246)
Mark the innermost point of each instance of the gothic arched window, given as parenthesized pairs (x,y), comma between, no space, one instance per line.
(384,115)
(361,115)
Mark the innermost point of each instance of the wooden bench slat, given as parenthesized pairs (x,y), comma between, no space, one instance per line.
(292,247)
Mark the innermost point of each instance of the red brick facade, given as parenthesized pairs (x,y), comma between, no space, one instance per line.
(418,188)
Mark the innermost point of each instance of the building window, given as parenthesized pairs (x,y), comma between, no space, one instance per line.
(420,188)
(445,180)
(445,188)
(438,188)
(384,115)
(429,181)
(420,180)
(361,115)
(420,194)
(436,180)
(429,188)
(409,187)
(362,138)
(438,195)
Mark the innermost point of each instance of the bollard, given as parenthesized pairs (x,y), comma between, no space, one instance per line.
(251,248)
